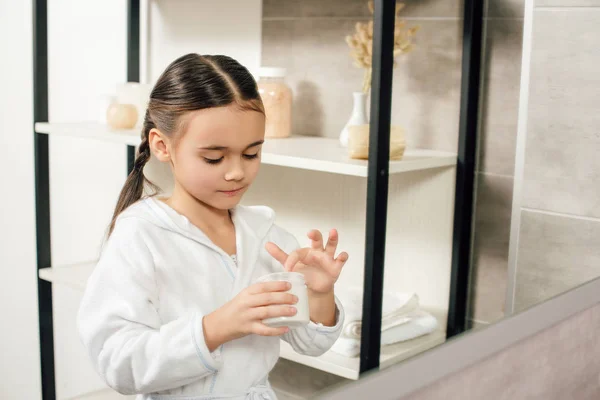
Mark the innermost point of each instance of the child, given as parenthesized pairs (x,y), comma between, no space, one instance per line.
(171,311)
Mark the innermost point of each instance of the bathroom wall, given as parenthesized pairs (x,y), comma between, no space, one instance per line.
(544,366)
(559,211)
(501,72)
(308,39)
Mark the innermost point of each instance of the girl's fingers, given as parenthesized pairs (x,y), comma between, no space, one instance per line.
(341,260)
(312,257)
(265,287)
(332,243)
(267,299)
(316,239)
(293,259)
(321,260)
(276,252)
(273,311)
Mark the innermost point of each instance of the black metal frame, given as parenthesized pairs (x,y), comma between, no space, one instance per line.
(378,179)
(133,59)
(42,196)
(465,167)
(42,170)
(378,171)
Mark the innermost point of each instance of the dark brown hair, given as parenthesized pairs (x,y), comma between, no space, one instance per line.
(192,82)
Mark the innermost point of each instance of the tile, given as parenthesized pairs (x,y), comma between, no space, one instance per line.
(490,247)
(567,3)
(555,254)
(478,325)
(357,8)
(277,44)
(489,291)
(319,68)
(556,364)
(315,8)
(432,8)
(505,8)
(426,88)
(500,101)
(562,162)
(286,396)
(299,381)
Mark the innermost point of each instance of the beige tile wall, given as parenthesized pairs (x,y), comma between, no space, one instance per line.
(556,253)
(501,72)
(560,219)
(307,37)
(558,364)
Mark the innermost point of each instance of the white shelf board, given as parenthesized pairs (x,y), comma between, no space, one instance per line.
(348,367)
(90,130)
(75,275)
(303,152)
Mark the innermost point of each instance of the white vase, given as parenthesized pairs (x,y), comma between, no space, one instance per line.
(358,117)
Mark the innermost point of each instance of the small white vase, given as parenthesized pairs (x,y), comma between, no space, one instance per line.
(358,117)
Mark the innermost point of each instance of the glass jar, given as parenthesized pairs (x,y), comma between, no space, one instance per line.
(277,98)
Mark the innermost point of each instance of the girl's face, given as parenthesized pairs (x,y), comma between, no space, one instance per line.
(217,156)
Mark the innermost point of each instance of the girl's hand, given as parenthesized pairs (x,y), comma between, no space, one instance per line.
(318,263)
(243,314)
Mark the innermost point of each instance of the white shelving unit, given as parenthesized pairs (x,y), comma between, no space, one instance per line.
(302,152)
(76,276)
(326,155)
(319,186)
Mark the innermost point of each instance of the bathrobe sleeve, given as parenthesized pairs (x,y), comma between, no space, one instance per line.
(121,329)
(313,339)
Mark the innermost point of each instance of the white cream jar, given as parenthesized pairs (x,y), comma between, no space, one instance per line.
(299,289)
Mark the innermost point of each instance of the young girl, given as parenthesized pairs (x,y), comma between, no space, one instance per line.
(171,311)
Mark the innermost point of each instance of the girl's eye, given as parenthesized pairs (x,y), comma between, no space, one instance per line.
(213,160)
(250,156)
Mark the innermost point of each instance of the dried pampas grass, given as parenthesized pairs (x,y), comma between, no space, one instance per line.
(361,43)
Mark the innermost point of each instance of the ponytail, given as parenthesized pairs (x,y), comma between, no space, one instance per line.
(133,189)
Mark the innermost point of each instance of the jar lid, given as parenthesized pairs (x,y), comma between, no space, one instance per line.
(272,72)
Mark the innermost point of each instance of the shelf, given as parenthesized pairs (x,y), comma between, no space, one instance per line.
(90,130)
(76,276)
(348,367)
(303,152)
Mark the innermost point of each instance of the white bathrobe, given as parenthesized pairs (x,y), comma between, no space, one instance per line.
(158,275)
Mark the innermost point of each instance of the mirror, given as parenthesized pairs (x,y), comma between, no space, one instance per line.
(536,227)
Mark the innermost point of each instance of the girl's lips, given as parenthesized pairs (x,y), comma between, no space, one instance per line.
(231,192)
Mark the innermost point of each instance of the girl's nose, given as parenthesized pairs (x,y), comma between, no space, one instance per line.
(235,172)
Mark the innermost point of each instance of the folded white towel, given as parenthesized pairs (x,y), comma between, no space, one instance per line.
(421,323)
(394,309)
